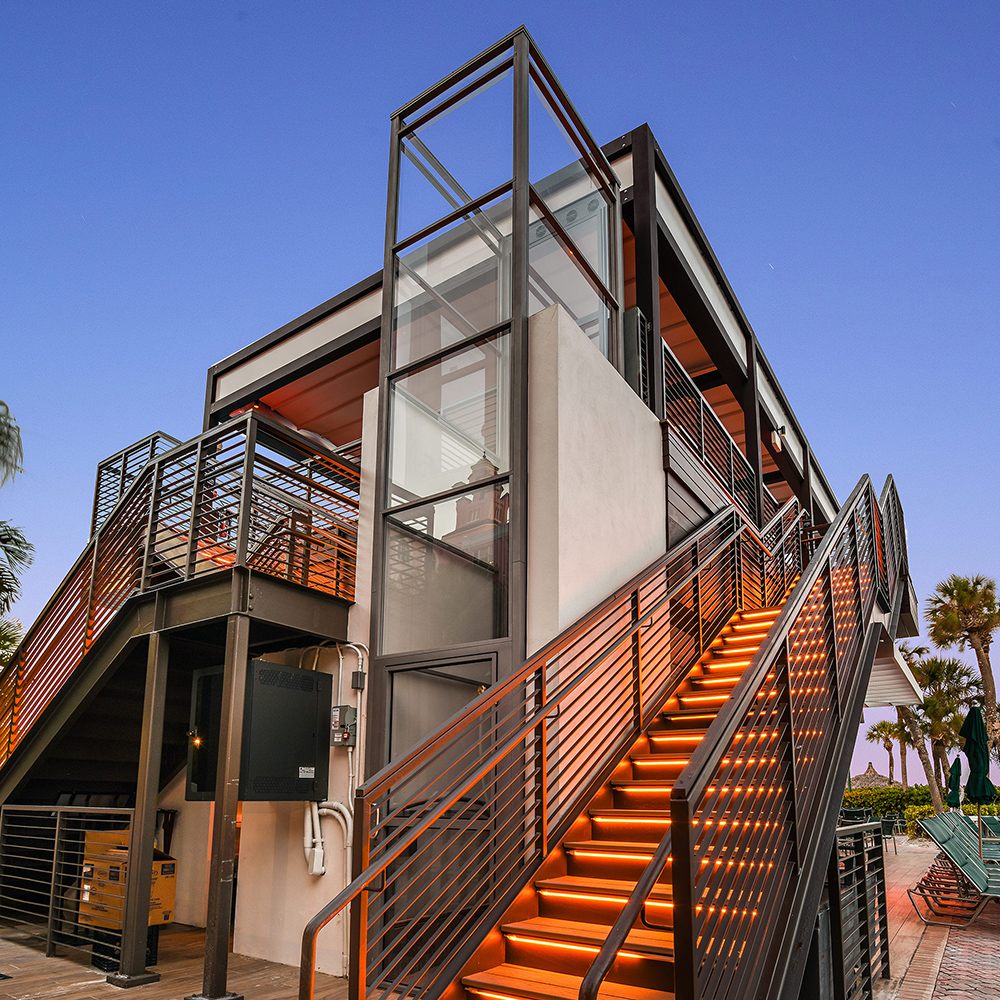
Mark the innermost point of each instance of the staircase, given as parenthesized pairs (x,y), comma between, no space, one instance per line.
(546,955)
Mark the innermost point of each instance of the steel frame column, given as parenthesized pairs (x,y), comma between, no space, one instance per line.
(135,926)
(647,253)
(751,427)
(517,583)
(227,793)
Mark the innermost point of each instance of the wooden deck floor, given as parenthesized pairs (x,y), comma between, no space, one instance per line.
(181,957)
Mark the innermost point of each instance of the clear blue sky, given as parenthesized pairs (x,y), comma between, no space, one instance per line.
(179,179)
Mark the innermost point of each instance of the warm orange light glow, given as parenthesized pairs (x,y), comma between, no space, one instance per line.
(604,854)
(590,949)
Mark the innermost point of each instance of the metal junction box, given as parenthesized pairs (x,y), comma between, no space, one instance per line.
(286,734)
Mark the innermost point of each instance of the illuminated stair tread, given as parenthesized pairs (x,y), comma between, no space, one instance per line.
(611,846)
(601,887)
(522,981)
(651,944)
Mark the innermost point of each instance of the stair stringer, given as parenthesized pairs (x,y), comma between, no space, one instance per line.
(786,983)
(128,628)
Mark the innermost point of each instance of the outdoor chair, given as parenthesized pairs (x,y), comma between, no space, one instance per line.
(898,821)
(851,816)
(957,887)
(889,832)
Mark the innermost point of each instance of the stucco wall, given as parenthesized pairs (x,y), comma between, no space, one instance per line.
(190,845)
(275,895)
(596,497)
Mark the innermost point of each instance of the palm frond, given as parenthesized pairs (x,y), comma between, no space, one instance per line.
(16,554)
(11,634)
(11,453)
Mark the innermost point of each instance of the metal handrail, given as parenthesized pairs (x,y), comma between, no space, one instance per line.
(512,733)
(700,771)
(170,505)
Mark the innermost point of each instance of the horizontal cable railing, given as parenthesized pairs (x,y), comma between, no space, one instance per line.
(246,493)
(688,410)
(747,811)
(451,831)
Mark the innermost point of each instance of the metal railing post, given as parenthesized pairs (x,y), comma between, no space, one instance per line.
(50,944)
(246,495)
(192,547)
(154,500)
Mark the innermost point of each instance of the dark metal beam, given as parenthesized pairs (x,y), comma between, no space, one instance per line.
(710,380)
(132,969)
(227,792)
(751,425)
(647,258)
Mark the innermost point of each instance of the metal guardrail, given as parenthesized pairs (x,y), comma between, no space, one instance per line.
(449,833)
(57,881)
(115,473)
(246,493)
(688,410)
(858,910)
(749,807)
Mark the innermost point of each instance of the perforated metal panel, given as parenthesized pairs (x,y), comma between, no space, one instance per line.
(286,734)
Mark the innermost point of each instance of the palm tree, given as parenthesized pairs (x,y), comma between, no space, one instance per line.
(11,454)
(883,732)
(15,549)
(11,633)
(912,656)
(950,688)
(903,736)
(964,610)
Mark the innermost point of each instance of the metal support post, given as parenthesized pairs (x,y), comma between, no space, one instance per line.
(227,793)
(135,927)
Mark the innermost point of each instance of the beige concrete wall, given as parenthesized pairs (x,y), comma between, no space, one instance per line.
(275,895)
(190,845)
(596,496)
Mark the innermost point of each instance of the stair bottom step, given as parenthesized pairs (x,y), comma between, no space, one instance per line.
(533,984)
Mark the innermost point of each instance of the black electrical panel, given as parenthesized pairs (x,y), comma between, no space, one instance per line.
(286,734)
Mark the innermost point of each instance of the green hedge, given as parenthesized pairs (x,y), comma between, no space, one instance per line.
(913,813)
(887,800)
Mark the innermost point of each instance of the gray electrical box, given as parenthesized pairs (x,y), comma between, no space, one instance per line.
(286,734)
(344,726)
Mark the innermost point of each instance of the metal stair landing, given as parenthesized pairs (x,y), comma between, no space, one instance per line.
(583,886)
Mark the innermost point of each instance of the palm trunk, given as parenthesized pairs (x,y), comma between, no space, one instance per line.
(989,690)
(902,750)
(942,756)
(921,747)
(888,748)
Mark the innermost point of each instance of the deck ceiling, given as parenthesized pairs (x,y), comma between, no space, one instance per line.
(329,401)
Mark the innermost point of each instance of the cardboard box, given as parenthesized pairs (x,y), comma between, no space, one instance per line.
(102,891)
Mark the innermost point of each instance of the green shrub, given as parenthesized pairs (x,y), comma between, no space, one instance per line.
(887,800)
(913,813)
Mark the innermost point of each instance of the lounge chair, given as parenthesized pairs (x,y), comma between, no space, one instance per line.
(957,887)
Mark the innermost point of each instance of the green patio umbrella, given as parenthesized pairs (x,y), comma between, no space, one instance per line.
(955,784)
(979,788)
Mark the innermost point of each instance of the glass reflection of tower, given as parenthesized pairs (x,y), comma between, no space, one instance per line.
(500,205)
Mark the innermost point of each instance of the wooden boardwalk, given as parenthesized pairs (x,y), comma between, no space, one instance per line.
(181,957)
(926,962)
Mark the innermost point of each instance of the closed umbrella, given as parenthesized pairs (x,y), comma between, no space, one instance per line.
(979,788)
(955,784)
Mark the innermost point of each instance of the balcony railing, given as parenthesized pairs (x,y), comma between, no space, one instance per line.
(247,493)
(688,410)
